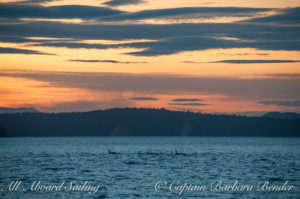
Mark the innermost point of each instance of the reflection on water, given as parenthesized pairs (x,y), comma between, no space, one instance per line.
(139,163)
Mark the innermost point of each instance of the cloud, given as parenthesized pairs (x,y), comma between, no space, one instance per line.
(192,62)
(281,103)
(256,61)
(189,13)
(17,39)
(123,2)
(164,46)
(29,2)
(257,88)
(73,45)
(56,12)
(144,98)
(286,16)
(187,104)
(169,38)
(173,45)
(178,44)
(21,51)
(108,14)
(187,100)
(282,75)
(105,61)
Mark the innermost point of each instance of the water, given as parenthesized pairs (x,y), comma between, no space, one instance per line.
(133,173)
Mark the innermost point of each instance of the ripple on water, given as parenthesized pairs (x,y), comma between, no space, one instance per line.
(133,172)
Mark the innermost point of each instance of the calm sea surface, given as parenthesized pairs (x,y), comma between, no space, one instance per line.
(146,167)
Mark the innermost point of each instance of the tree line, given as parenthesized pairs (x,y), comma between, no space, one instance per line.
(143,122)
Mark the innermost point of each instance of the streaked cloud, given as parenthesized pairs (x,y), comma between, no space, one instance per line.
(144,98)
(32,2)
(57,12)
(108,14)
(283,75)
(74,45)
(281,103)
(187,100)
(123,2)
(262,88)
(105,61)
(169,39)
(189,13)
(187,104)
(256,61)
(21,51)
(289,16)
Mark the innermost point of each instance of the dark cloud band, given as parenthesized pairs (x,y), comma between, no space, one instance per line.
(108,14)
(21,51)
(166,39)
(105,61)
(170,39)
(144,98)
(281,103)
(187,100)
(55,12)
(256,61)
(289,16)
(123,2)
(187,104)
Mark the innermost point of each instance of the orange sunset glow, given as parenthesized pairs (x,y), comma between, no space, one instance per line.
(216,56)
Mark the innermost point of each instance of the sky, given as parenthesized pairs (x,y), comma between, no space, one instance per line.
(212,56)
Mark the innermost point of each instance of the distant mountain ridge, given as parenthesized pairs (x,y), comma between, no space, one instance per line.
(18,110)
(143,122)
